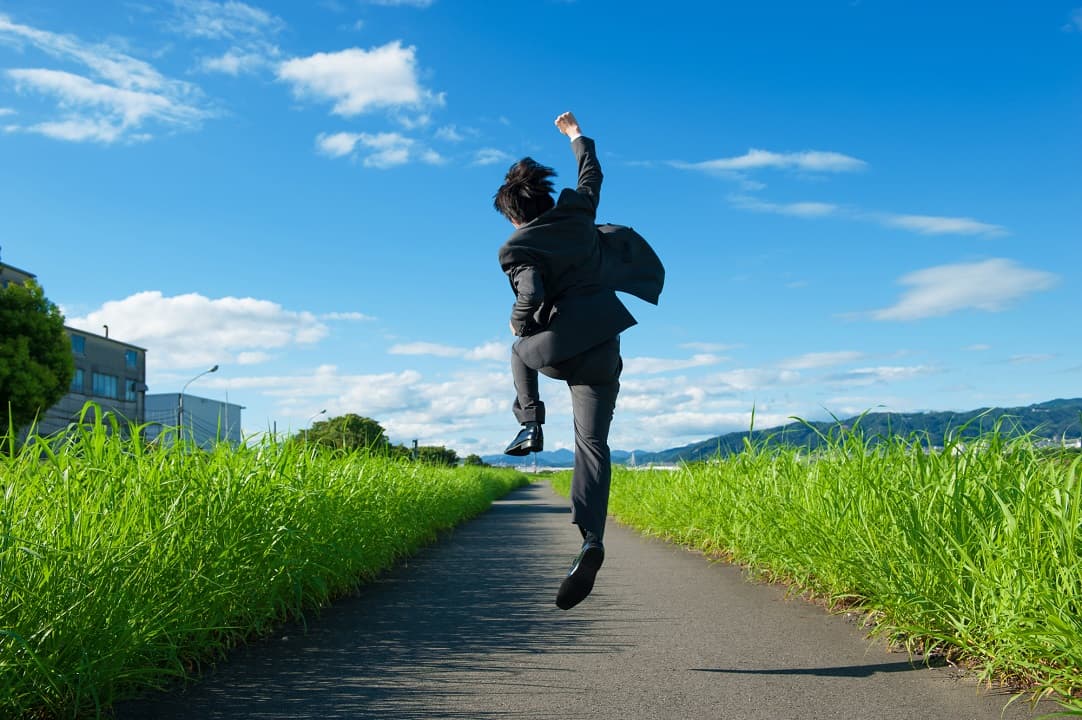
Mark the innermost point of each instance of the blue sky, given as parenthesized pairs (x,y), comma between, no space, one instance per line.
(860,205)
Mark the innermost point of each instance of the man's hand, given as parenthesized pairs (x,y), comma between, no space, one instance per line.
(568,125)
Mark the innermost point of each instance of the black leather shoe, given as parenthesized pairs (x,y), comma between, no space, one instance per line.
(529,439)
(580,579)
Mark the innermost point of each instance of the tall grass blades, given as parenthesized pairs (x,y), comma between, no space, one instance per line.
(124,565)
(977,547)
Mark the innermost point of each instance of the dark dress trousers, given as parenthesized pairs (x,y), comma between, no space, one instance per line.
(568,322)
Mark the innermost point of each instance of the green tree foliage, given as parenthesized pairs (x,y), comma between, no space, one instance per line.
(349,432)
(474,460)
(36,364)
(437,455)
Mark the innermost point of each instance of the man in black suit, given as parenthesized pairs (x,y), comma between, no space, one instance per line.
(568,324)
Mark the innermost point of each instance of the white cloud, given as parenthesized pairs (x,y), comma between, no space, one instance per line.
(491,156)
(127,95)
(980,347)
(345,316)
(706,347)
(192,330)
(879,375)
(809,361)
(797,209)
(388,149)
(923,224)
(754,159)
(934,225)
(450,133)
(989,285)
(653,365)
(357,80)
(222,20)
(1027,358)
(6,111)
(401,3)
(489,351)
(240,61)
(1076,21)
(750,379)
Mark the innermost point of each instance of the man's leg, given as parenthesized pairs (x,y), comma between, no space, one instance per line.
(528,409)
(528,406)
(594,388)
(594,381)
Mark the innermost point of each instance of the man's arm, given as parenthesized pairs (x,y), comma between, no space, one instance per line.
(529,295)
(590,176)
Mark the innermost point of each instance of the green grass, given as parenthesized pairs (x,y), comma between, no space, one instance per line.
(124,566)
(975,549)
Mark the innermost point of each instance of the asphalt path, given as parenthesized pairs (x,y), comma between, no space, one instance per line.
(468,629)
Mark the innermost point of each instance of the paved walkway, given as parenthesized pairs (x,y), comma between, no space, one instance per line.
(468,629)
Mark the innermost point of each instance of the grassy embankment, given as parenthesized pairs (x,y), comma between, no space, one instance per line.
(124,566)
(974,550)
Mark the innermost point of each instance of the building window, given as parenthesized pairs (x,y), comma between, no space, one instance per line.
(77,381)
(131,358)
(129,389)
(104,385)
(78,344)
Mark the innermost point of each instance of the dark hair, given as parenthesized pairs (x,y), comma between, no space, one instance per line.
(526,191)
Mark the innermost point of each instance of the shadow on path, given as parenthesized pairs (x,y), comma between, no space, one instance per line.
(406,642)
(848,671)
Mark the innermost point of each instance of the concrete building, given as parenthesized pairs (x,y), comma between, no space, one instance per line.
(204,420)
(109,372)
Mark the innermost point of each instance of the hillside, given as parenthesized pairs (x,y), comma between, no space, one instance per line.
(1052,419)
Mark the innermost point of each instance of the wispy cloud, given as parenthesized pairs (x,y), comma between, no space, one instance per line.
(358,81)
(6,111)
(879,375)
(491,156)
(1028,358)
(387,149)
(127,95)
(222,20)
(817,161)
(240,61)
(935,225)
(808,361)
(489,351)
(653,365)
(1075,23)
(922,224)
(192,330)
(989,285)
(797,209)
(401,3)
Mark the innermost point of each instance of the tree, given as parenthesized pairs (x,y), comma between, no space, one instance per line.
(476,460)
(349,432)
(36,363)
(437,455)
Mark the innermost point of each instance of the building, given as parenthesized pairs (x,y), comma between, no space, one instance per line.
(108,372)
(205,421)
(9,274)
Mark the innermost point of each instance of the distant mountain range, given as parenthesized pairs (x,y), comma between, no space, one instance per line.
(1054,419)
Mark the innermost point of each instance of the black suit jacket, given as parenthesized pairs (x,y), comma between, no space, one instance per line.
(562,308)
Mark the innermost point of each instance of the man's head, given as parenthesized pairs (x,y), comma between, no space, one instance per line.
(526,192)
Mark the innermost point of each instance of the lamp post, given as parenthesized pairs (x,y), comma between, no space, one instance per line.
(180,400)
(321,412)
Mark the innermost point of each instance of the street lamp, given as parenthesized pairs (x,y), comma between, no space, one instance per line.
(180,400)
(321,412)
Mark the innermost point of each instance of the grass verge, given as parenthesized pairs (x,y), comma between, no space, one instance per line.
(124,566)
(974,550)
